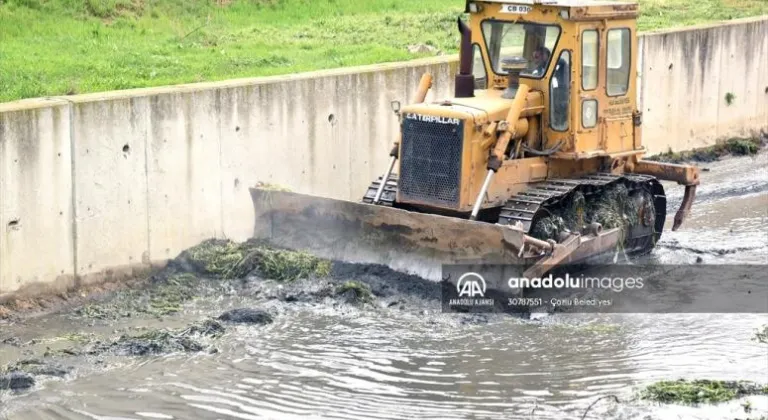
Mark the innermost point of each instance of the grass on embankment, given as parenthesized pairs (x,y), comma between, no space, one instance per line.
(59,47)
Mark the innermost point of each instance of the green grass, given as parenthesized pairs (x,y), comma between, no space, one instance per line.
(657,14)
(60,47)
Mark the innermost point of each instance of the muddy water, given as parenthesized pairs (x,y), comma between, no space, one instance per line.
(339,361)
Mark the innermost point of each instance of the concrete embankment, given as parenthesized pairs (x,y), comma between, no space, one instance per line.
(105,186)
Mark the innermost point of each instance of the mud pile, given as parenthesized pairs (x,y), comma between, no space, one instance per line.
(21,375)
(210,268)
(220,267)
(160,341)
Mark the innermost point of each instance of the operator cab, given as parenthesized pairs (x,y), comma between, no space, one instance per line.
(578,54)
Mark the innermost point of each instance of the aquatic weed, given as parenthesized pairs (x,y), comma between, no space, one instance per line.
(762,335)
(272,187)
(215,256)
(735,146)
(285,265)
(230,260)
(356,291)
(699,391)
(159,299)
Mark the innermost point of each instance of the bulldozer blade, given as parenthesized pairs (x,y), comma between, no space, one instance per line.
(406,241)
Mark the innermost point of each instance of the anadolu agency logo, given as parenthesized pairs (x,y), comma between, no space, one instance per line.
(471,288)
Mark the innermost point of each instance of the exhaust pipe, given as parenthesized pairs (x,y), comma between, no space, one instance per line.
(465,80)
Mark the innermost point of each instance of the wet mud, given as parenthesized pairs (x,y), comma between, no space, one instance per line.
(243,330)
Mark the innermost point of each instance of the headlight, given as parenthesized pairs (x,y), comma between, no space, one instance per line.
(589,113)
(473,7)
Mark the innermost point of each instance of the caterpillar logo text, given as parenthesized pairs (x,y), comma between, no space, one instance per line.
(433,119)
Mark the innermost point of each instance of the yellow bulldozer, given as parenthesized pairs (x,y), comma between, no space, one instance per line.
(536,161)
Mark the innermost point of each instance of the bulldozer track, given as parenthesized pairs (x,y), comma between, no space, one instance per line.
(539,198)
(536,201)
(525,206)
(388,196)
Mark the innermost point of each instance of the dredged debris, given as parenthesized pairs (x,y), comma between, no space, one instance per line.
(246,316)
(613,208)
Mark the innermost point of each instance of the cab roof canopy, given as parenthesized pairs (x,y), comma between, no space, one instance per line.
(577,9)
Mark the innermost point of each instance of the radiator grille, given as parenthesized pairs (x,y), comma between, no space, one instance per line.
(430,166)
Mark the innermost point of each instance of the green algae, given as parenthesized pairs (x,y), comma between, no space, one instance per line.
(355,291)
(215,257)
(291,265)
(700,391)
(230,260)
(160,299)
(210,264)
(169,297)
(272,187)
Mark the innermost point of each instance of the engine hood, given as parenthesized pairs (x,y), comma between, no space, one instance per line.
(486,106)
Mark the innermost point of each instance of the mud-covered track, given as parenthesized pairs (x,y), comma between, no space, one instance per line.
(543,199)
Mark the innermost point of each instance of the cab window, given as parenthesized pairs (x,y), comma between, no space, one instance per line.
(618,59)
(589,54)
(533,42)
(560,92)
(478,68)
